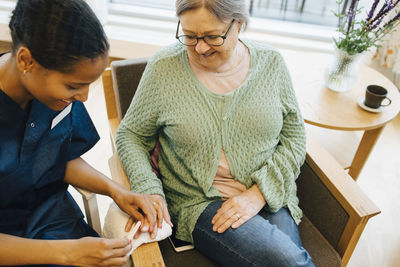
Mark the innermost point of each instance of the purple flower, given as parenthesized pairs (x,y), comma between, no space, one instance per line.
(372,11)
(353,5)
(351,14)
(385,9)
(376,24)
(382,9)
(355,40)
(394,19)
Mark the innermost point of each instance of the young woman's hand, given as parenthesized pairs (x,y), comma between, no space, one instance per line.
(92,251)
(238,209)
(160,206)
(139,206)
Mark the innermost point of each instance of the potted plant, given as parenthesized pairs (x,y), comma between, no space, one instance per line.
(357,36)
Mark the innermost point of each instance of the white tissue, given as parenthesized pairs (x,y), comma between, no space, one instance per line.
(114,227)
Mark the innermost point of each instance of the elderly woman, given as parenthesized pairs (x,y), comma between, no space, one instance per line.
(231,139)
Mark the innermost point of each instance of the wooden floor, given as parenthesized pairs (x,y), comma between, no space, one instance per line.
(379,245)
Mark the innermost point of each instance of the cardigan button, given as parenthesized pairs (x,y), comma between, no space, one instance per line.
(224,118)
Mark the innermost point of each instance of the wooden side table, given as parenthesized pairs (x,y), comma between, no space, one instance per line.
(340,111)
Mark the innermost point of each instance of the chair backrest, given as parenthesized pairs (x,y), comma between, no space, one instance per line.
(126,76)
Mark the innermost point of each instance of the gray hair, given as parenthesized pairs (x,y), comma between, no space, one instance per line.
(222,9)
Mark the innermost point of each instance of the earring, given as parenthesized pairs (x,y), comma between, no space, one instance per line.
(24,72)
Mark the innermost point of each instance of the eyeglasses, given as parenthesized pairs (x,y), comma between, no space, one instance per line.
(192,40)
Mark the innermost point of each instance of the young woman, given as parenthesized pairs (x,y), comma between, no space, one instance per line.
(59,48)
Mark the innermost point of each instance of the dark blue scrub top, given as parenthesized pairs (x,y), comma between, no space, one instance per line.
(34,201)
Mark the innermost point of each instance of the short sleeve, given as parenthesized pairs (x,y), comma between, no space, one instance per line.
(84,134)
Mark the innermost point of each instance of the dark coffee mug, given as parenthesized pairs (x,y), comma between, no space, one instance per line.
(374,96)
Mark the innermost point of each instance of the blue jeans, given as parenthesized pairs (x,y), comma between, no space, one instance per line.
(267,239)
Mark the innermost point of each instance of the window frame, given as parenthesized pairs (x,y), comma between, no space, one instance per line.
(280,34)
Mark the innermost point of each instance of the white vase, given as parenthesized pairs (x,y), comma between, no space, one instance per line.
(341,74)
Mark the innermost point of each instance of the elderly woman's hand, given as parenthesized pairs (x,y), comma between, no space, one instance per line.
(238,209)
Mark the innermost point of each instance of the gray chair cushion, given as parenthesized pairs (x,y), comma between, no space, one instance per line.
(322,253)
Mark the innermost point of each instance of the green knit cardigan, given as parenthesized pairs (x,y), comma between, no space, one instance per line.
(258,125)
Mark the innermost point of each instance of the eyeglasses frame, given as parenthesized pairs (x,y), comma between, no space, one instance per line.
(205,36)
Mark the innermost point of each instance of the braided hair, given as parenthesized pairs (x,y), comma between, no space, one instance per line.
(58,33)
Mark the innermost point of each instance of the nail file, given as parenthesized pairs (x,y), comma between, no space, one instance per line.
(132,233)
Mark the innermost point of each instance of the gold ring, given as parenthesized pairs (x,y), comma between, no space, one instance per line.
(155,203)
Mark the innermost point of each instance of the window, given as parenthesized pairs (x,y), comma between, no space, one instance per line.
(6,6)
(315,12)
(159,19)
(304,11)
(163,4)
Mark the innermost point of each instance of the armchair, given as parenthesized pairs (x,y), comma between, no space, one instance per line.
(335,209)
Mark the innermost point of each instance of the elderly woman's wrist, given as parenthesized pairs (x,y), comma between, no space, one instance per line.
(258,194)
(152,190)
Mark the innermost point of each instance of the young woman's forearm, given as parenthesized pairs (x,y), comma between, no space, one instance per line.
(79,173)
(86,251)
(22,251)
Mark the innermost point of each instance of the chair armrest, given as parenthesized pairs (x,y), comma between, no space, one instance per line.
(85,193)
(91,209)
(347,193)
(147,254)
